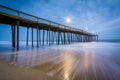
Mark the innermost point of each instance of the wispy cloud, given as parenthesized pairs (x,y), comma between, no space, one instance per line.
(113,24)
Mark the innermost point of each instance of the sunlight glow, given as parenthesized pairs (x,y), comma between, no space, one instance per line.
(68,20)
(86,28)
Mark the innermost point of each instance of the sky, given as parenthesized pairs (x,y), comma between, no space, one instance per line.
(99,16)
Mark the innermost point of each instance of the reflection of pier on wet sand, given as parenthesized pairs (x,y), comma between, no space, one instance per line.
(85,61)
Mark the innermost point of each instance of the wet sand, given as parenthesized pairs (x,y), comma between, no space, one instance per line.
(14,72)
(82,61)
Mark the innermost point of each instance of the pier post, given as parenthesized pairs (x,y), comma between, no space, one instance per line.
(18,23)
(97,37)
(83,38)
(13,35)
(55,37)
(61,38)
(64,38)
(68,36)
(94,38)
(90,38)
(75,38)
(52,37)
(37,35)
(43,36)
(86,38)
(71,38)
(32,37)
(58,37)
(27,36)
(49,36)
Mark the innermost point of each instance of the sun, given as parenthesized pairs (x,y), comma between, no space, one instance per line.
(68,20)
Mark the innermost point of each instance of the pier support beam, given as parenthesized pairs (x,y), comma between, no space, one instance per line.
(27,36)
(43,36)
(58,38)
(97,37)
(18,23)
(64,38)
(37,36)
(71,38)
(32,37)
(68,37)
(13,35)
(61,38)
(49,37)
(52,37)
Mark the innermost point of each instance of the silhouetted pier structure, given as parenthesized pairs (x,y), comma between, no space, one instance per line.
(52,32)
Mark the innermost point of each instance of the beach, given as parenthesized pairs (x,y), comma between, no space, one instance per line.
(78,61)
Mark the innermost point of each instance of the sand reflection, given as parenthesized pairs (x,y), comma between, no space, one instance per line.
(86,59)
(68,62)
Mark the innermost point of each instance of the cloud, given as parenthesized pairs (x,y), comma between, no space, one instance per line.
(113,24)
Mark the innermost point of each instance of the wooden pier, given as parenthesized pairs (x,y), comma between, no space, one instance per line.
(52,32)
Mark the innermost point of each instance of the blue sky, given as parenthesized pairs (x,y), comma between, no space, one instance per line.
(99,16)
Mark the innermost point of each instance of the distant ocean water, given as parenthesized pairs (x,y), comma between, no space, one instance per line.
(22,43)
(30,43)
(110,40)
